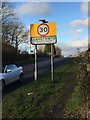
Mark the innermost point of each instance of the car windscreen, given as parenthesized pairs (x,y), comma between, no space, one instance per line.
(11,67)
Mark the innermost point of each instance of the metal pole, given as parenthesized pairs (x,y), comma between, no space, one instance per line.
(35,74)
(52,68)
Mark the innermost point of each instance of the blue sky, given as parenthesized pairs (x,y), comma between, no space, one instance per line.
(71,19)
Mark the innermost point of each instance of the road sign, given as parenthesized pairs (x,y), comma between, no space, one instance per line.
(46,29)
(43,29)
(43,40)
(44,33)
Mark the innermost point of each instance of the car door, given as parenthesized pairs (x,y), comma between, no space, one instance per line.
(16,72)
(7,77)
(9,74)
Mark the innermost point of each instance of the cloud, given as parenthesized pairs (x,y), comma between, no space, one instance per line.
(77,31)
(79,43)
(75,44)
(34,9)
(79,22)
(76,34)
(70,48)
(84,7)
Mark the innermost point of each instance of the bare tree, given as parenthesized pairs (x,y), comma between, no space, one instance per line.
(7,12)
(8,17)
(18,34)
(13,31)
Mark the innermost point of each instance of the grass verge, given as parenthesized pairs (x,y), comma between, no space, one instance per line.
(38,98)
(75,103)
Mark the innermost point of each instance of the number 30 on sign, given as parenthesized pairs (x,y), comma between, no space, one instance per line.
(43,29)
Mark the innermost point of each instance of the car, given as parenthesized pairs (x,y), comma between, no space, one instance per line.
(10,73)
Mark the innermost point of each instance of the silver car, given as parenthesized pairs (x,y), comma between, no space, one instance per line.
(10,73)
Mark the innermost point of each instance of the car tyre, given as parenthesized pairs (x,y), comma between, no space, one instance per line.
(21,78)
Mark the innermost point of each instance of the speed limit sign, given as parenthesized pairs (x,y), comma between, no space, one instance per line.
(41,34)
(43,29)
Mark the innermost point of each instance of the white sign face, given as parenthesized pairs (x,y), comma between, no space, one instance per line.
(43,40)
(43,29)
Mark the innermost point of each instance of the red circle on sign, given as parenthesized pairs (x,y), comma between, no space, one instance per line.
(44,34)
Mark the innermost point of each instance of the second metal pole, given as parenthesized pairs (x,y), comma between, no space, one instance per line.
(35,73)
(52,68)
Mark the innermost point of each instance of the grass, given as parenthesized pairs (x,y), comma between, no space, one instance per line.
(75,102)
(38,98)
(74,107)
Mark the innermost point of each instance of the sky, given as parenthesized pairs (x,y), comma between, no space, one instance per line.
(71,19)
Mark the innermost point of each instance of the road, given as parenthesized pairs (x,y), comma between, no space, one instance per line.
(43,68)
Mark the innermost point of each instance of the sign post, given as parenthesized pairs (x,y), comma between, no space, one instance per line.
(52,66)
(35,74)
(43,34)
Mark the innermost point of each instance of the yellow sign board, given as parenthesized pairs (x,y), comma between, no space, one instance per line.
(43,30)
